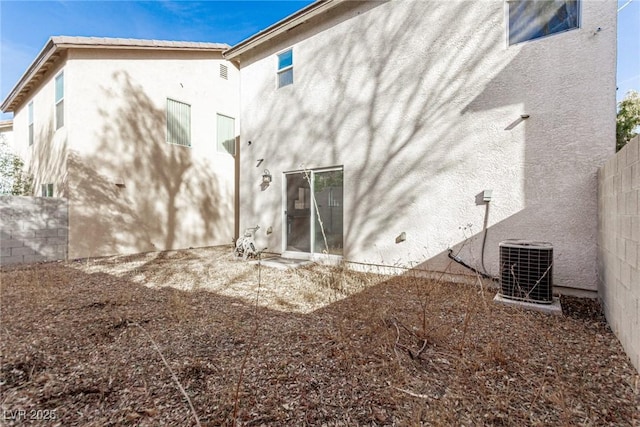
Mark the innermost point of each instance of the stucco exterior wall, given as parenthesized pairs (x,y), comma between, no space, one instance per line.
(131,191)
(619,245)
(45,160)
(420,102)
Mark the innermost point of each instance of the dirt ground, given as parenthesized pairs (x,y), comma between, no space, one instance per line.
(116,341)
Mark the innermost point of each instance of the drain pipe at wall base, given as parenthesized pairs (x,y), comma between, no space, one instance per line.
(459,260)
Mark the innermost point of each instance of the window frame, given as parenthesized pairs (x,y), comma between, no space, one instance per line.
(508,3)
(30,123)
(282,70)
(224,149)
(46,190)
(59,102)
(168,127)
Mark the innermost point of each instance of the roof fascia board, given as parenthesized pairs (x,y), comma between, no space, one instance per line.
(137,47)
(281,27)
(43,57)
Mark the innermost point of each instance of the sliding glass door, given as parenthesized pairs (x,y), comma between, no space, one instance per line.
(314,211)
(298,213)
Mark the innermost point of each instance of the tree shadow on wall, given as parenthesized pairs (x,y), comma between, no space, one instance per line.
(395,121)
(48,158)
(135,192)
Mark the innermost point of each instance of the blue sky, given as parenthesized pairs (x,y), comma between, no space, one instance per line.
(25,26)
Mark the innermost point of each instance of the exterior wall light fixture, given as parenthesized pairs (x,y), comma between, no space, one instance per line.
(266,177)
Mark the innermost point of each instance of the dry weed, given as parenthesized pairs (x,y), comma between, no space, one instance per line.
(369,350)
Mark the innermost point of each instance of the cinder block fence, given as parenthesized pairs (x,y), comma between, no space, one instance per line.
(33,229)
(619,245)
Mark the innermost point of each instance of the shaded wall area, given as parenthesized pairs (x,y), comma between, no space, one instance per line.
(33,229)
(45,159)
(421,104)
(619,245)
(132,191)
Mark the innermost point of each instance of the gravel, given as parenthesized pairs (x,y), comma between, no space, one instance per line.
(107,341)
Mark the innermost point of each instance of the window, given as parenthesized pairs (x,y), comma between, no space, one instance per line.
(30,112)
(60,101)
(532,19)
(224,71)
(47,190)
(285,68)
(178,123)
(226,134)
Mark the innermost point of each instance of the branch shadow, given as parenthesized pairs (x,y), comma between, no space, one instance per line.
(391,119)
(415,100)
(134,192)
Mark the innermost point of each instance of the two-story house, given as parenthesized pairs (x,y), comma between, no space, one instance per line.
(378,132)
(139,135)
(391,131)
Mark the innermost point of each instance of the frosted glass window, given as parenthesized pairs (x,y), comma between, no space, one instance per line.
(60,101)
(178,123)
(30,109)
(226,134)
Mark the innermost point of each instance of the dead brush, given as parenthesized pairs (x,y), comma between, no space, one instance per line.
(418,335)
(494,353)
(517,368)
(178,305)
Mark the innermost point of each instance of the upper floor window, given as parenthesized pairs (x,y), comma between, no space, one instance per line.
(532,19)
(30,113)
(178,123)
(60,101)
(285,68)
(226,134)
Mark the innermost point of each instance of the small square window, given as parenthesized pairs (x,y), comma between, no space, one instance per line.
(532,19)
(285,59)
(285,68)
(47,190)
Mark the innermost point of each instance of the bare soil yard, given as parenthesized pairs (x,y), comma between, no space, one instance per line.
(322,346)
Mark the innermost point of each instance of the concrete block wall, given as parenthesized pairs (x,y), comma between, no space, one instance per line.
(33,229)
(619,245)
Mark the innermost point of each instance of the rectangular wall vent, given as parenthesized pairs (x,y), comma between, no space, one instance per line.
(224,71)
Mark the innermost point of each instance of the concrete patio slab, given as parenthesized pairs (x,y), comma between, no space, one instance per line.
(283,263)
(554,308)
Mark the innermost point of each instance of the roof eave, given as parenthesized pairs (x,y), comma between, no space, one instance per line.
(52,51)
(36,66)
(280,27)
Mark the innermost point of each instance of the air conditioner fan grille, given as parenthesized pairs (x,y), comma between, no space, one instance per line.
(527,271)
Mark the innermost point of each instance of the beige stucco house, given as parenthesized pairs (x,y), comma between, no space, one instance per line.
(6,132)
(382,123)
(139,135)
(372,132)
(6,141)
